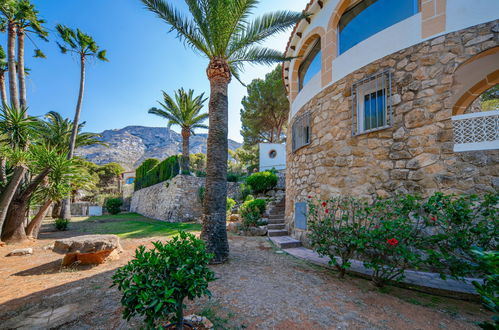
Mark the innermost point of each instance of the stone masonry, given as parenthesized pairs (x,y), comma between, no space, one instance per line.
(416,154)
(176,200)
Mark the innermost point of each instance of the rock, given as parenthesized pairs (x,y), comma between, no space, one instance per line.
(2,244)
(199,320)
(234,217)
(256,231)
(89,249)
(234,227)
(20,252)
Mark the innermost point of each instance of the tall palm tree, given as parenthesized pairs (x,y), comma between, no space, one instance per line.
(184,111)
(9,10)
(28,22)
(222,31)
(4,68)
(84,47)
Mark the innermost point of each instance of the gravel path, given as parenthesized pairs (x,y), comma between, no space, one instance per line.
(259,288)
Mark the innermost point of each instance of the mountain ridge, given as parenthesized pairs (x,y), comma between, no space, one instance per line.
(131,145)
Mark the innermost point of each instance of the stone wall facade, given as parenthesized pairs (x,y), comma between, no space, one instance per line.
(415,155)
(175,200)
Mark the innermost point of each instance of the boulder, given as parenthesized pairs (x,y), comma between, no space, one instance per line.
(234,217)
(20,252)
(256,231)
(88,249)
(234,227)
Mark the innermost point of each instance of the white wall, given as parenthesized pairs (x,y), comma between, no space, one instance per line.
(267,163)
(464,13)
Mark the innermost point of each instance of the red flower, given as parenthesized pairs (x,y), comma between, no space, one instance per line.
(377,226)
(392,241)
(309,196)
(433,218)
(327,211)
(324,204)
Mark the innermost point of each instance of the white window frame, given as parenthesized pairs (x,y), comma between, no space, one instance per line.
(369,85)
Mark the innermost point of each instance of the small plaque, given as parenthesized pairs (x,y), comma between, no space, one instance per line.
(301,215)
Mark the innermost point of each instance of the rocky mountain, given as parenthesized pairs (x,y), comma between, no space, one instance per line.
(131,145)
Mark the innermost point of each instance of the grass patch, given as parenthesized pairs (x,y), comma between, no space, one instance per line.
(131,225)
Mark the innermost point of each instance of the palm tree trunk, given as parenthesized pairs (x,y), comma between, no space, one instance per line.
(186,134)
(9,193)
(3,171)
(34,226)
(214,218)
(11,54)
(66,203)
(3,89)
(20,62)
(14,230)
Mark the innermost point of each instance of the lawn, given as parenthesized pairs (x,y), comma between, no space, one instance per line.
(130,225)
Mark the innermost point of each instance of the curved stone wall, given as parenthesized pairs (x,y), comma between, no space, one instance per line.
(416,154)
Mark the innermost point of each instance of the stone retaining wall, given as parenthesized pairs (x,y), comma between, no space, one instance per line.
(415,155)
(176,200)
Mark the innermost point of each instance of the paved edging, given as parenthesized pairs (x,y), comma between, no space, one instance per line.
(412,278)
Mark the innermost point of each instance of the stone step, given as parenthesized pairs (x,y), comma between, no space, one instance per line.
(273,226)
(275,221)
(277,232)
(285,242)
(276,216)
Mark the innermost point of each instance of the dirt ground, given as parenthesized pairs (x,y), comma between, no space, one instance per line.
(259,288)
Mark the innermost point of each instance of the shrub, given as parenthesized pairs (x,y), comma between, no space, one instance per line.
(156,282)
(262,181)
(151,171)
(489,290)
(460,223)
(61,224)
(113,205)
(200,174)
(338,229)
(252,211)
(234,177)
(393,238)
(244,190)
(249,198)
(230,204)
(201,192)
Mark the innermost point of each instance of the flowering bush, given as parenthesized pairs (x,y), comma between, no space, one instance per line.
(394,239)
(337,229)
(489,290)
(460,223)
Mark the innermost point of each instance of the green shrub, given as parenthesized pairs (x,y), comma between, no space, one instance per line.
(252,211)
(245,191)
(338,229)
(230,204)
(460,223)
(488,262)
(156,282)
(152,172)
(200,174)
(262,181)
(394,238)
(61,224)
(113,205)
(249,198)
(201,192)
(234,177)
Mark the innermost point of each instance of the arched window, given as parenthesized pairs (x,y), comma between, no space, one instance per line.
(370,17)
(311,64)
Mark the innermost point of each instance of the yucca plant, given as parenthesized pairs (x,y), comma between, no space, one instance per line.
(221,30)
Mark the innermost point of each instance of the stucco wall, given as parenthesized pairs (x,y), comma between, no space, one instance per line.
(416,154)
(176,200)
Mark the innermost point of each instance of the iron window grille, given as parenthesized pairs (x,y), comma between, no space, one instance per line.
(372,103)
(301,132)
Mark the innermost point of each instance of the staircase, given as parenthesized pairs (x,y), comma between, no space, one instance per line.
(277,231)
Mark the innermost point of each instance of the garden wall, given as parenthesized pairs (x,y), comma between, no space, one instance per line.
(176,200)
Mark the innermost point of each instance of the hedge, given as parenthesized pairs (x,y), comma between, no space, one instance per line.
(151,171)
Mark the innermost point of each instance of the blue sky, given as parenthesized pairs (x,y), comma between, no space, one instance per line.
(143,60)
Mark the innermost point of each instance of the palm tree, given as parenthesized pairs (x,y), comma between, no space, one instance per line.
(27,23)
(221,31)
(183,111)
(16,127)
(8,8)
(82,45)
(4,67)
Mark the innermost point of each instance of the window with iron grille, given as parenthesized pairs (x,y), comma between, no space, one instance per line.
(372,103)
(301,132)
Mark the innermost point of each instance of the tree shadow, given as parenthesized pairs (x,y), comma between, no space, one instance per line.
(54,267)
